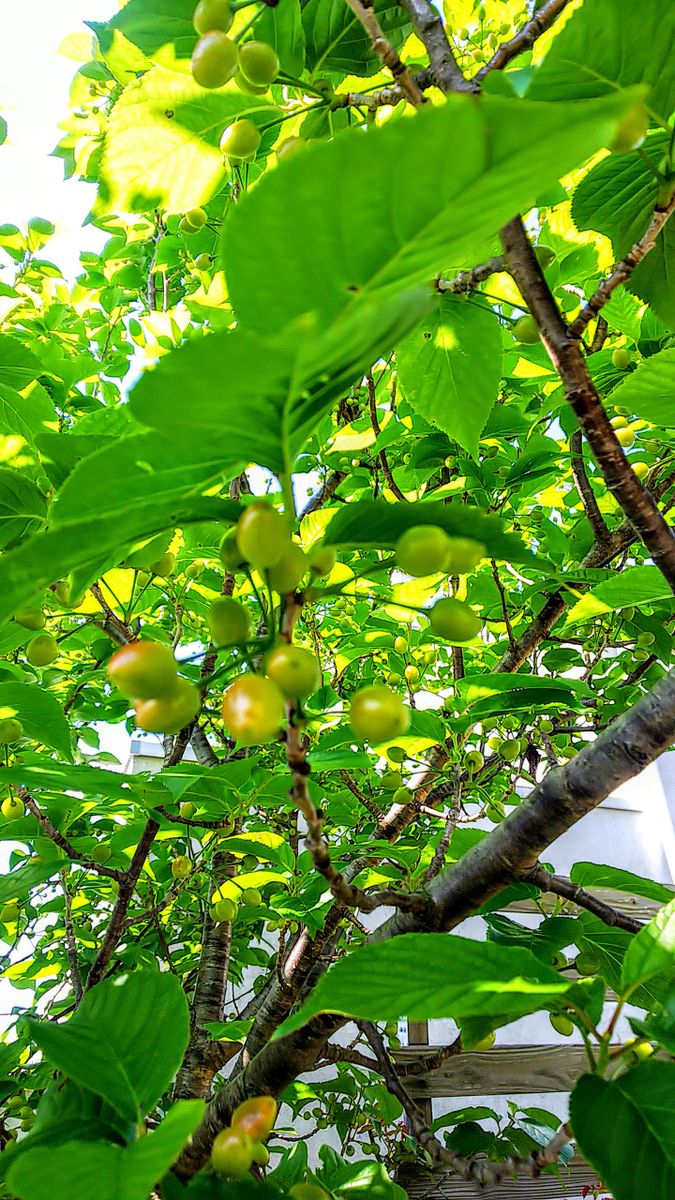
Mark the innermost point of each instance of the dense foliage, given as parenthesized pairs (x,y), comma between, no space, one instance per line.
(355,486)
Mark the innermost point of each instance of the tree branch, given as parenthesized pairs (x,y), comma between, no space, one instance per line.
(565,354)
(429,28)
(117,922)
(525,38)
(572,891)
(384,50)
(580,476)
(62,842)
(468,281)
(623,269)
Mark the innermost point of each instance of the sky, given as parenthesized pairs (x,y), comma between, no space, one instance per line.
(34,85)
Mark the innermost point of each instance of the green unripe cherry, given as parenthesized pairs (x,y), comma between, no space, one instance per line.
(10,912)
(259,63)
(400,645)
(296,672)
(402,795)
(454,621)
(245,84)
(249,862)
(253,709)
(422,550)
(10,730)
(262,536)
(391,780)
(473,760)
(484,1044)
(181,867)
(30,618)
(308,1191)
(143,670)
(223,910)
(587,963)
(643,639)
(240,140)
(321,559)
(230,555)
(193,221)
(286,574)
(377,714)
(252,897)
(100,854)
(465,554)
(625,437)
(169,713)
(212,14)
(187,810)
(228,622)
(214,59)
(203,263)
(232,1153)
(396,754)
(42,650)
(412,674)
(289,147)
(164,566)
(526,330)
(12,808)
(620,358)
(561,1024)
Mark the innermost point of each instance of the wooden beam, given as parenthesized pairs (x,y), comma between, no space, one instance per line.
(422,1184)
(501,1071)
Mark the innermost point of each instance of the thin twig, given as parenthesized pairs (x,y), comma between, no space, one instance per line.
(578,895)
(384,50)
(623,269)
(525,38)
(71,944)
(580,476)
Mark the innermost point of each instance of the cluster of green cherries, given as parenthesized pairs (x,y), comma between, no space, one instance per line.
(217,59)
(147,673)
(43,648)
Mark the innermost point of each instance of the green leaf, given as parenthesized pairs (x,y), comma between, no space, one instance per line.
(634,586)
(450,368)
(282,28)
(337,41)
(589,874)
(22,506)
(178,125)
(428,976)
(18,365)
(489,695)
(368,1180)
(161,29)
(38,773)
(617,197)
(648,392)
(625,1130)
(39,712)
(611,945)
(375,524)
(277,390)
(28,416)
(102,1171)
(125,1041)
(380,211)
(19,883)
(609,44)
(652,950)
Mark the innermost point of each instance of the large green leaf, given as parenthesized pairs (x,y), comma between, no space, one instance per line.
(18,884)
(161,146)
(611,945)
(608,44)
(371,213)
(125,1041)
(37,773)
(28,415)
(375,524)
(617,197)
(275,391)
(589,874)
(282,28)
(652,950)
(626,1131)
(39,712)
(634,586)
(22,506)
(432,975)
(337,41)
(450,367)
(649,391)
(102,1171)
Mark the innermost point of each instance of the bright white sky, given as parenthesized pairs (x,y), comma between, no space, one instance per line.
(34,83)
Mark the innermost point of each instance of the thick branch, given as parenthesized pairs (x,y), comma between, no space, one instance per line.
(572,891)
(565,354)
(429,28)
(203,1057)
(324,494)
(565,796)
